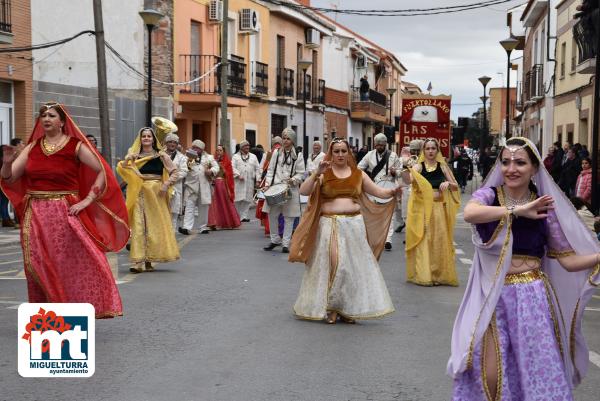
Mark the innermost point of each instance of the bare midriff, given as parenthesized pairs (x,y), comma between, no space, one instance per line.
(340,206)
(521,264)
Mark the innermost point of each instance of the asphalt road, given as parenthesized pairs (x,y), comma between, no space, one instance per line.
(218,325)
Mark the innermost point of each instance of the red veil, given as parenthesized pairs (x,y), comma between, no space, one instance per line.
(105,219)
(225,164)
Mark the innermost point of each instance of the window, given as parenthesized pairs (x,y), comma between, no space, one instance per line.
(5,20)
(195,31)
(573,55)
(251,137)
(280,51)
(563,57)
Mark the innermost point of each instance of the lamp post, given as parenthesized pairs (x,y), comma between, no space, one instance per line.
(484,134)
(304,65)
(391,92)
(509,45)
(151,18)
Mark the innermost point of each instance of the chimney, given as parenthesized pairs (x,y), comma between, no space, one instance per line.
(304,2)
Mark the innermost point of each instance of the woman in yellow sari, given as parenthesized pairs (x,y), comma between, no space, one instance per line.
(432,208)
(150,175)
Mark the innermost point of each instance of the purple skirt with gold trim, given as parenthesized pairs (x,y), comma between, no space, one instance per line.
(524,334)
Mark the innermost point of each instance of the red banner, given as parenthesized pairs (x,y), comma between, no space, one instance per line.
(425,116)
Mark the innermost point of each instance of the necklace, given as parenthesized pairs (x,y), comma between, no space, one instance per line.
(429,168)
(50,148)
(516,202)
(245,158)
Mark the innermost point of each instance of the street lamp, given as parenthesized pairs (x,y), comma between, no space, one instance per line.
(304,65)
(150,18)
(509,45)
(484,81)
(391,92)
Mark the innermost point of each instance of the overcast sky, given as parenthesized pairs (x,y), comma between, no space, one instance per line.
(450,50)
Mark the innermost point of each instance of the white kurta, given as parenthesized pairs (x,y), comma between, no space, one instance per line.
(313,162)
(180,161)
(369,162)
(282,174)
(197,184)
(250,171)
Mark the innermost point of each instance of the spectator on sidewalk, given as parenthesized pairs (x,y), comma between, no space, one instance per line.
(364,89)
(6,220)
(549,159)
(557,162)
(583,187)
(464,169)
(569,172)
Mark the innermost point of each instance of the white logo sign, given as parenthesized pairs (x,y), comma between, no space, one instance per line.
(56,340)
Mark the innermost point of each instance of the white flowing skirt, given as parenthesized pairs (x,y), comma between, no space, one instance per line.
(352,283)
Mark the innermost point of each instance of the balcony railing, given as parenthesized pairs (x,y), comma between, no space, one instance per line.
(5,16)
(307,87)
(319,95)
(371,96)
(519,102)
(285,82)
(586,35)
(533,87)
(200,65)
(260,78)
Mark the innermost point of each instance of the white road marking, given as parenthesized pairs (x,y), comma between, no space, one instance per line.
(595,358)
(593,309)
(11,253)
(459,252)
(596,296)
(466,261)
(11,302)
(12,261)
(9,271)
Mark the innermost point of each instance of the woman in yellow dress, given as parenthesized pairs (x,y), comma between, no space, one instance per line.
(432,208)
(150,175)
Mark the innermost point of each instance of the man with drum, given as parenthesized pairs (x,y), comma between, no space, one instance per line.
(198,190)
(284,176)
(246,173)
(180,161)
(381,165)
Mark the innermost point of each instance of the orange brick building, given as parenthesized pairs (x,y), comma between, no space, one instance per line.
(16,75)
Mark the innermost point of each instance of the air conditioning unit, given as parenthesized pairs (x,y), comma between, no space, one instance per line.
(248,20)
(215,11)
(361,61)
(313,38)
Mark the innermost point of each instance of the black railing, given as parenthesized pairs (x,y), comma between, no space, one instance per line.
(285,82)
(204,66)
(585,33)
(319,96)
(5,17)
(260,76)
(371,96)
(519,102)
(307,87)
(533,87)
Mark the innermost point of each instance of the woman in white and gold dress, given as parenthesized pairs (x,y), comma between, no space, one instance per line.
(340,238)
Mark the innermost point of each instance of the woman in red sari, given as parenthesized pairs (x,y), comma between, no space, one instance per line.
(222,212)
(72,212)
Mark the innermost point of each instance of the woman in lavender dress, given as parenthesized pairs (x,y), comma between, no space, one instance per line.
(517,335)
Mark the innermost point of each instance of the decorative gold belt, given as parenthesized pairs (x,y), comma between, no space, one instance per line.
(332,215)
(50,194)
(151,177)
(524,278)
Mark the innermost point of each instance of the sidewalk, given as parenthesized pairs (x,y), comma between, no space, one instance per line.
(9,236)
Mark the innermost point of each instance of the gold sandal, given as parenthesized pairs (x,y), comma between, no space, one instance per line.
(149,267)
(347,320)
(331,318)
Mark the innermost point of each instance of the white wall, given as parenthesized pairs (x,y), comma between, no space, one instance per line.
(75,62)
(337,68)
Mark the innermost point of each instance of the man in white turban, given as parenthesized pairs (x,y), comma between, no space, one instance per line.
(197,188)
(180,161)
(246,173)
(315,158)
(381,164)
(285,167)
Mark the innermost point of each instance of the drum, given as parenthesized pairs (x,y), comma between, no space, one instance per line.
(277,194)
(383,184)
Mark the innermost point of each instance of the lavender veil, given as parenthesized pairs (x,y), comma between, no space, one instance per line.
(572,291)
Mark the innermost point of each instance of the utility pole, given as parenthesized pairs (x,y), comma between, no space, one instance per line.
(224,67)
(102,86)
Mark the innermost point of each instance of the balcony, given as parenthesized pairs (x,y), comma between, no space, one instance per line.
(369,107)
(586,35)
(307,87)
(319,95)
(207,85)
(259,79)
(519,102)
(6,36)
(285,83)
(533,87)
